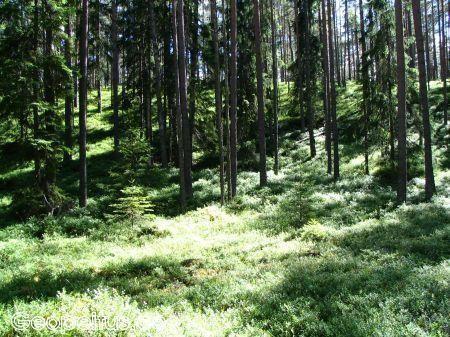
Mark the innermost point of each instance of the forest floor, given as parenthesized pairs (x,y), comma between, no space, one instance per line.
(303,256)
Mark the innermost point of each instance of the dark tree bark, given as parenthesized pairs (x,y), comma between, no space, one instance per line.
(334,129)
(193,74)
(233,97)
(218,98)
(98,60)
(427,44)
(275,87)
(50,164)
(348,43)
(309,80)
(68,99)
(183,98)
(226,92)
(326,88)
(429,176)
(401,108)
(366,93)
(157,77)
(260,95)
(444,60)
(115,74)
(83,100)
(179,118)
(433,39)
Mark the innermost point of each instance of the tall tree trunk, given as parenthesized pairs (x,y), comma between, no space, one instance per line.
(49,97)
(179,118)
(433,39)
(444,59)
(193,75)
(83,100)
(427,45)
(334,128)
(326,88)
(260,95)
(429,176)
(226,92)
(68,99)
(275,86)
(366,93)
(218,98)
(308,80)
(347,33)
(183,98)
(233,97)
(401,108)
(157,76)
(115,74)
(97,60)
(36,77)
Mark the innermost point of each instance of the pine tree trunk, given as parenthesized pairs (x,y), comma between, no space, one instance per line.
(183,98)
(429,176)
(68,99)
(308,80)
(49,115)
(401,108)
(334,129)
(115,74)
(326,89)
(193,75)
(98,61)
(83,101)
(226,92)
(365,79)
(218,98)
(444,59)
(178,108)
(260,95)
(157,76)
(433,39)
(233,97)
(275,87)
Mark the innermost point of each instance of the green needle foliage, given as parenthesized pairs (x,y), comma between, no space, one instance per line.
(134,205)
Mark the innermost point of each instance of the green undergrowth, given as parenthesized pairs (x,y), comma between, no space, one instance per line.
(303,256)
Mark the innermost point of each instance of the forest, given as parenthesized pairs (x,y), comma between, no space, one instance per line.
(212,168)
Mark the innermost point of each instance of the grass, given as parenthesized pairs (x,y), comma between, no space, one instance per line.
(303,256)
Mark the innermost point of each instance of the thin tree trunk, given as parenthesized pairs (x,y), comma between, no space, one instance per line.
(49,97)
(326,88)
(193,76)
(115,74)
(429,176)
(275,87)
(308,81)
(444,59)
(260,95)
(333,114)
(83,100)
(227,100)
(401,98)
(433,39)
(233,97)
(365,79)
(157,76)
(183,98)
(68,99)
(427,45)
(98,61)
(218,98)
(178,108)
(37,157)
